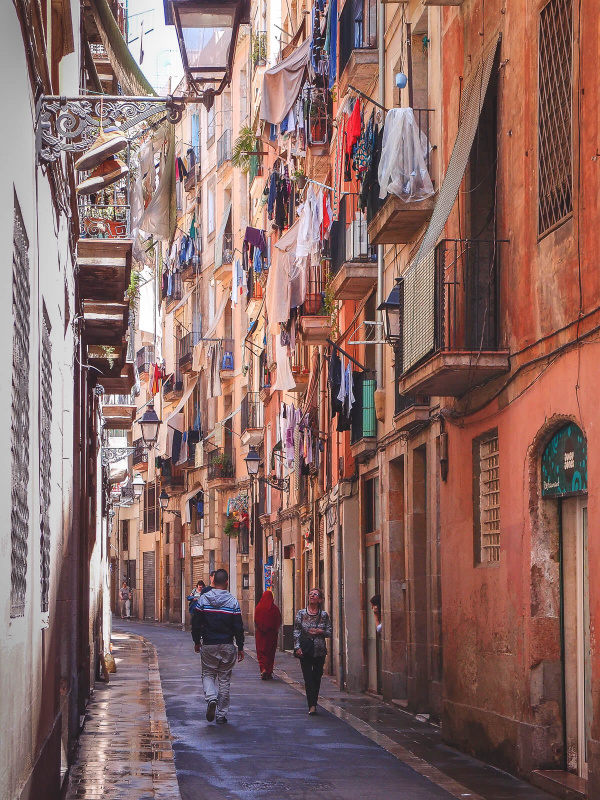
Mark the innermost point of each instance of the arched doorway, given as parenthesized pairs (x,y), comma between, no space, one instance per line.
(564,478)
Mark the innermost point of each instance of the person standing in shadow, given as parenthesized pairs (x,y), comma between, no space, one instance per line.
(268,621)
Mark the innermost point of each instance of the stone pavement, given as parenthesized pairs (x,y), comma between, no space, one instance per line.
(356,748)
(125,750)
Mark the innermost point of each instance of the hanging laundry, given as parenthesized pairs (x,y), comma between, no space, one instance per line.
(335,381)
(402,169)
(272,194)
(256,237)
(353,127)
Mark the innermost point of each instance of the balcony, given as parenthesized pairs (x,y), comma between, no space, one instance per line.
(185,350)
(144,360)
(259,49)
(104,269)
(398,221)
(227,369)
(315,322)
(224,148)
(256,169)
(192,178)
(223,271)
(300,367)
(193,268)
(174,291)
(221,468)
(173,387)
(139,456)
(105,324)
(255,296)
(319,135)
(353,259)
(119,382)
(99,221)
(252,419)
(172,477)
(192,438)
(358,46)
(466,349)
(363,433)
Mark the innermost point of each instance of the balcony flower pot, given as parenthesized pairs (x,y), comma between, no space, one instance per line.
(229,529)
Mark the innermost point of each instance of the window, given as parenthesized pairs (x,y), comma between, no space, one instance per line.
(371,505)
(19,418)
(486,497)
(167,532)
(210,207)
(210,126)
(151,509)
(45,457)
(555,110)
(125,535)
(196,135)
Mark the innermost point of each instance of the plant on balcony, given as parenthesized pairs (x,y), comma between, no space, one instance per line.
(229,529)
(133,290)
(299,178)
(110,354)
(245,143)
(330,307)
(222,463)
(259,48)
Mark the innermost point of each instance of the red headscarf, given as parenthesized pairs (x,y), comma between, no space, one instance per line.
(266,615)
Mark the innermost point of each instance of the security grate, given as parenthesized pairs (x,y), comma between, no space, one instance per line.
(489,502)
(555,142)
(19,428)
(45,458)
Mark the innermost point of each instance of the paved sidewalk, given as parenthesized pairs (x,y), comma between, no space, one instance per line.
(125,747)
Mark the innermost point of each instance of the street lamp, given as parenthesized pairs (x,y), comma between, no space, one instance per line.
(149,423)
(138,484)
(391,308)
(207,33)
(163,499)
(252,462)
(252,465)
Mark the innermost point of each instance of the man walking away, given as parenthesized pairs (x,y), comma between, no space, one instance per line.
(125,600)
(220,623)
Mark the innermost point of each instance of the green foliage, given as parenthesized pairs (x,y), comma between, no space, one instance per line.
(133,290)
(246,142)
(229,529)
(331,309)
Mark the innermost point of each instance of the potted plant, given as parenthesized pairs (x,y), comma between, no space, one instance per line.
(229,529)
(299,178)
(222,463)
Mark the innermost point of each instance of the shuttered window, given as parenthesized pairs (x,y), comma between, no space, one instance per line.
(555,140)
(151,511)
(486,492)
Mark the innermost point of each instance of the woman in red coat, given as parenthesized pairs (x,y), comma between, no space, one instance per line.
(268,621)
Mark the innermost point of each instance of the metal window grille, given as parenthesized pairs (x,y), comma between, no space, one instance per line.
(555,141)
(19,428)
(45,458)
(489,500)
(151,511)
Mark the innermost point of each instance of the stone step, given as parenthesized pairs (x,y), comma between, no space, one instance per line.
(560,783)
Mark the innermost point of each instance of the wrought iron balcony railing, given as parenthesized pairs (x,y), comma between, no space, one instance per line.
(259,48)
(358,29)
(100,221)
(140,453)
(228,248)
(224,148)
(221,464)
(349,237)
(251,412)
(144,359)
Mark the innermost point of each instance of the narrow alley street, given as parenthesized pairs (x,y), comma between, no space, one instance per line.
(356,747)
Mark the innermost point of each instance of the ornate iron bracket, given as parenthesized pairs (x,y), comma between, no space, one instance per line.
(283,484)
(71,124)
(110,455)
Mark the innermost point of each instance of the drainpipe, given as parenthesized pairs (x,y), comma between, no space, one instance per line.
(380,264)
(341,622)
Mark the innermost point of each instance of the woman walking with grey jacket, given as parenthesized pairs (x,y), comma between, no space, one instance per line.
(311,627)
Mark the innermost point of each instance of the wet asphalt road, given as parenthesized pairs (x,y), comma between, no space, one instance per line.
(270,747)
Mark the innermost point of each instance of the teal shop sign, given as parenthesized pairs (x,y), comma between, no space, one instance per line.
(564,463)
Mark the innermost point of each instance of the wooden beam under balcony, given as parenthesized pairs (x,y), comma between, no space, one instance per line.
(104,269)
(451,373)
(315,330)
(354,279)
(105,323)
(398,222)
(119,418)
(318,162)
(360,71)
(118,384)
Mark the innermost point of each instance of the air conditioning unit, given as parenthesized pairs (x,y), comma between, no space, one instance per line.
(357,242)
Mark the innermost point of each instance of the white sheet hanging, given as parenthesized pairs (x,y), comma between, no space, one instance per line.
(402,169)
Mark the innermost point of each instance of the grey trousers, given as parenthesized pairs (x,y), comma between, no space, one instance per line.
(218,661)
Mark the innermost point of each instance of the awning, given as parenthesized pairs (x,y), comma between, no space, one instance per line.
(281,85)
(419,278)
(131,78)
(220,236)
(184,502)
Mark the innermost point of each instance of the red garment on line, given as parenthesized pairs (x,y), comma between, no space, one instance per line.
(353,127)
(268,621)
